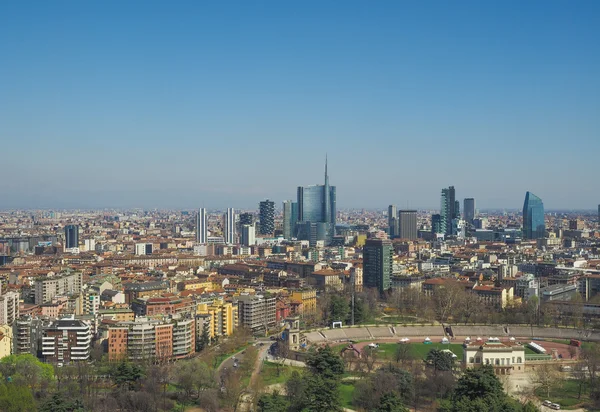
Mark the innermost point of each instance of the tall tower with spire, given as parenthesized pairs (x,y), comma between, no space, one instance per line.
(317,211)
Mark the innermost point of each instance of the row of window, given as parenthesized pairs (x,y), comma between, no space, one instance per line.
(496,361)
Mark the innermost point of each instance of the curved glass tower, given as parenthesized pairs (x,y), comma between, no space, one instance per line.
(534,226)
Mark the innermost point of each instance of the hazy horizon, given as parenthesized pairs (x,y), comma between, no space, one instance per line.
(190,104)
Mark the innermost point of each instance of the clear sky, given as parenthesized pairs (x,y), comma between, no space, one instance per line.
(189,103)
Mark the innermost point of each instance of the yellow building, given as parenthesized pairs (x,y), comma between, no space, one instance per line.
(195,284)
(6,338)
(308,298)
(222,317)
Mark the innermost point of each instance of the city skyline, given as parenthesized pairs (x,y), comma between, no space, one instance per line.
(126,103)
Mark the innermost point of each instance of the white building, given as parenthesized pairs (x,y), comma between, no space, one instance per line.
(201,228)
(248,235)
(505,357)
(229,226)
(9,308)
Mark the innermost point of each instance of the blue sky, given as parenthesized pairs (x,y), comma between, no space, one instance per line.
(183,104)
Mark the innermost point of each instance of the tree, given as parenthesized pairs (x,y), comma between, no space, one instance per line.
(478,383)
(440,360)
(325,362)
(16,398)
(204,340)
(391,402)
(338,309)
(546,377)
(127,375)
(273,403)
(58,402)
(446,300)
(403,354)
(322,393)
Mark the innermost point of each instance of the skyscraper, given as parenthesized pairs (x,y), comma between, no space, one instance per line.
(392,221)
(246,218)
(248,235)
(407,224)
(317,211)
(229,226)
(448,210)
(534,226)
(201,228)
(378,264)
(469,209)
(71,236)
(436,224)
(267,217)
(290,217)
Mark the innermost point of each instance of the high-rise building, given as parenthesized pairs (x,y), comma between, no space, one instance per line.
(469,209)
(448,210)
(256,312)
(407,224)
(290,218)
(248,235)
(378,264)
(246,219)
(267,217)
(229,226)
(456,209)
(71,236)
(534,226)
(392,221)
(66,284)
(317,209)
(436,224)
(201,228)
(67,340)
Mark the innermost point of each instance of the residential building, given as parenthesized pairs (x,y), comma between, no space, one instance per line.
(68,283)
(201,227)
(9,308)
(407,224)
(67,340)
(307,299)
(256,312)
(499,297)
(145,289)
(267,217)
(378,264)
(448,210)
(222,317)
(534,226)
(163,305)
(6,338)
(246,219)
(436,224)
(589,286)
(143,249)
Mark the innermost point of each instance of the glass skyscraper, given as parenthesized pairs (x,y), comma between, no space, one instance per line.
(71,236)
(378,261)
(534,226)
(290,219)
(317,211)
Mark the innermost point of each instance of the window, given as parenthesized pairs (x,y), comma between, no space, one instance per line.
(478,360)
(519,360)
(471,360)
(497,361)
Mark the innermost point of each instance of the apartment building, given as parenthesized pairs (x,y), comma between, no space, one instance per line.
(257,312)
(9,308)
(307,298)
(163,305)
(221,316)
(145,338)
(46,288)
(67,340)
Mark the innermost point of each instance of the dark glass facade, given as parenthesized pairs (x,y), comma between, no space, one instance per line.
(71,236)
(378,263)
(534,226)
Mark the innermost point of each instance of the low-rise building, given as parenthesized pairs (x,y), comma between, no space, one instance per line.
(505,357)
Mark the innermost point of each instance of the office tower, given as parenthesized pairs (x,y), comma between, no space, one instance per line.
(71,236)
(534,226)
(267,217)
(246,219)
(456,209)
(378,264)
(317,212)
(448,210)
(407,224)
(436,224)
(290,218)
(469,209)
(229,226)
(392,221)
(201,228)
(599,214)
(248,235)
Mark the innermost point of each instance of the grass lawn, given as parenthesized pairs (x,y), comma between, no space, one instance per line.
(566,395)
(347,394)
(269,373)
(420,350)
